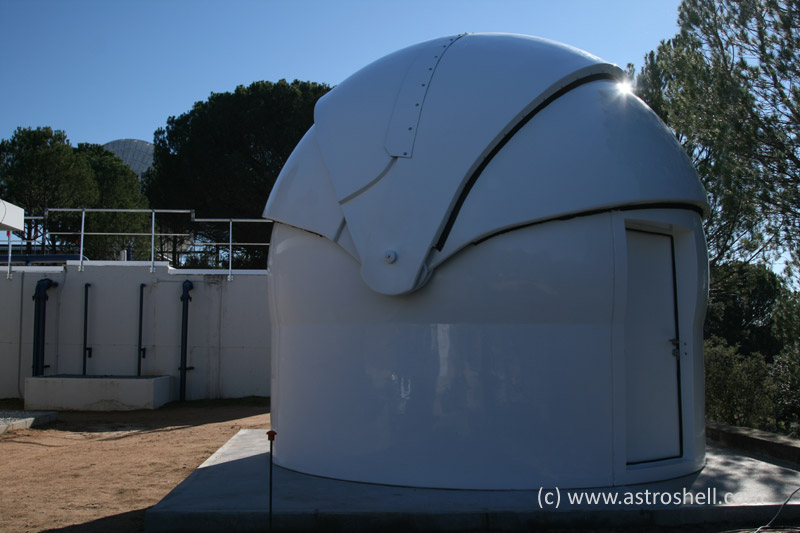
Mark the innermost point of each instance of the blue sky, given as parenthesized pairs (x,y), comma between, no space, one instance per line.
(108,69)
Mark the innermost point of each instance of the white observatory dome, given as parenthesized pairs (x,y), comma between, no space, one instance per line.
(488,271)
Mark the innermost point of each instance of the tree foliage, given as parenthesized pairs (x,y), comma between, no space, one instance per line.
(222,157)
(728,86)
(752,348)
(118,187)
(738,387)
(40,170)
(785,376)
(743,308)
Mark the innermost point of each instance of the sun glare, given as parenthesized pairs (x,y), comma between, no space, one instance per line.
(625,87)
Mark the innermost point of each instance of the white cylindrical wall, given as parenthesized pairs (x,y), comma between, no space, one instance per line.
(498,374)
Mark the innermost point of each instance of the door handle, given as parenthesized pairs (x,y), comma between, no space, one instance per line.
(676,344)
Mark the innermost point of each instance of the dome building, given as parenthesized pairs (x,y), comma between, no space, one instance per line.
(138,155)
(488,271)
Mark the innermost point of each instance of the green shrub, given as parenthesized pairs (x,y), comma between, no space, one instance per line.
(739,388)
(785,377)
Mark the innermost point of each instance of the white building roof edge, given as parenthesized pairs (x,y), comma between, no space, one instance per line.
(12,217)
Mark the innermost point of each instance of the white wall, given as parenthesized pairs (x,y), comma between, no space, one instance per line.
(228,333)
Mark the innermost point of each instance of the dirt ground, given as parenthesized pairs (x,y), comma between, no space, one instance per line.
(94,472)
(100,471)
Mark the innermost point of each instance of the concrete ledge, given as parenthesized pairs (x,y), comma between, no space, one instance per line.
(11,420)
(96,393)
(230,492)
(755,441)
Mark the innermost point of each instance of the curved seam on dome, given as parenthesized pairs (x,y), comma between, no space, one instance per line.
(372,182)
(339,230)
(633,207)
(312,232)
(499,146)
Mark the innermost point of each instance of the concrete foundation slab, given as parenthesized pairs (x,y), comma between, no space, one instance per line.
(11,420)
(97,393)
(230,492)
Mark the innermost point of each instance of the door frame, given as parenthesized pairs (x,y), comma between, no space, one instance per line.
(690,287)
(676,333)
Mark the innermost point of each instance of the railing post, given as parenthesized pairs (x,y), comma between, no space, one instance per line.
(83,221)
(230,250)
(153,241)
(271,436)
(8,275)
(44,232)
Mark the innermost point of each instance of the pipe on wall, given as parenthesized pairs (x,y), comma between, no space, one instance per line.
(39,315)
(141,351)
(185,298)
(87,351)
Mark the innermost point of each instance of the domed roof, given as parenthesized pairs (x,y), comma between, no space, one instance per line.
(453,140)
(489,243)
(138,155)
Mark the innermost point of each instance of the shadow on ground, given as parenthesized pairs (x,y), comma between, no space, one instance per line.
(168,418)
(130,522)
(133,522)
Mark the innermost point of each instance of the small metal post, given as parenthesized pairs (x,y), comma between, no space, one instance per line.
(271,435)
(230,250)
(8,275)
(83,221)
(140,352)
(152,241)
(87,352)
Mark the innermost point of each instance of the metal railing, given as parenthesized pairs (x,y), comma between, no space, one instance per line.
(82,234)
(230,222)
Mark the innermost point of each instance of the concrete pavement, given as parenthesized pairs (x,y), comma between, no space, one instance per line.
(229,492)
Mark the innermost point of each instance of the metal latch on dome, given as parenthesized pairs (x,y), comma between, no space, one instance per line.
(403,125)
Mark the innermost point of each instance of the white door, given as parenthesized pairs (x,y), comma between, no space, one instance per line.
(652,360)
